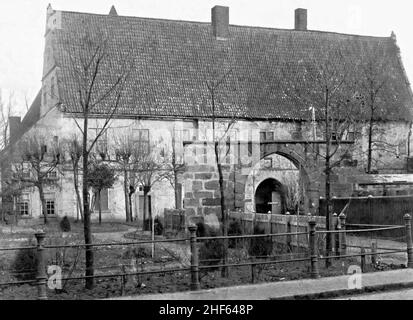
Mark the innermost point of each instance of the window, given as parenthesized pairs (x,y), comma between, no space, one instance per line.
(51,174)
(186,135)
(350,136)
(50,207)
(102,142)
(266,136)
(23,208)
(267,163)
(141,140)
(26,171)
(249,148)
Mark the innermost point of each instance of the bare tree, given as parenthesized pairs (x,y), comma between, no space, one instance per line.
(326,83)
(174,167)
(377,92)
(36,164)
(149,168)
(125,158)
(101,176)
(74,149)
(5,112)
(100,86)
(213,87)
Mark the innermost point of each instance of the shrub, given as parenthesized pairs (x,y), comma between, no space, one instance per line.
(65,224)
(24,264)
(210,251)
(158,227)
(137,253)
(235,229)
(260,247)
(200,230)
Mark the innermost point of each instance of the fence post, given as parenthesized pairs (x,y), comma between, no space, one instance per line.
(337,227)
(41,275)
(363,259)
(252,270)
(313,250)
(195,285)
(343,238)
(408,224)
(374,253)
(288,225)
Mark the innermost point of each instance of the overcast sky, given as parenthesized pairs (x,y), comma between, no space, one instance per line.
(22,26)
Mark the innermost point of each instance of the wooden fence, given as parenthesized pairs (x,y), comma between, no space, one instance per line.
(174,220)
(388,210)
(278,224)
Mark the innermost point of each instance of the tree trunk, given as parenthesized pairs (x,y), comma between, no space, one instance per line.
(86,211)
(177,191)
(76,185)
(370,145)
(130,205)
(43,202)
(327,181)
(100,208)
(126,194)
(175,172)
(130,194)
(224,271)
(147,216)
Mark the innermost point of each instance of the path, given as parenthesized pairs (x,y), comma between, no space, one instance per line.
(355,243)
(178,250)
(286,289)
(390,295)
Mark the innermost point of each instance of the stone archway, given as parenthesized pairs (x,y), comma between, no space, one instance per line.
(289,169)
(270,197)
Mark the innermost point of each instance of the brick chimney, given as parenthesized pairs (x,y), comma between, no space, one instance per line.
(220,22)
(301,19)
(14,128)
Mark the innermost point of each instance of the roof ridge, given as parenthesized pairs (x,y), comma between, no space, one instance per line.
(230,25)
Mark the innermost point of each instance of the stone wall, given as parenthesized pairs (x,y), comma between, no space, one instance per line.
(201,194)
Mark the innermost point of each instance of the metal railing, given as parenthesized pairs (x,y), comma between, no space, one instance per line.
(313,256)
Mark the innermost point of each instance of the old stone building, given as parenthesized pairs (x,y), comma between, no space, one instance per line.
(167,103)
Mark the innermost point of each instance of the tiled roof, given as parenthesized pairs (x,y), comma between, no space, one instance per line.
(174,59)
(33,114)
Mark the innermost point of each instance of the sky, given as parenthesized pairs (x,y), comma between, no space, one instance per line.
(22,26)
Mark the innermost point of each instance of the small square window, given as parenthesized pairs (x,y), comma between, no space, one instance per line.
(50,207)
(52,174)
(23,208)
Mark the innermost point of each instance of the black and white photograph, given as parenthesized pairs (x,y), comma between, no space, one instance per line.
(230,152)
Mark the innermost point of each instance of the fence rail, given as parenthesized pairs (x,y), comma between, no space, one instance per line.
(313,256)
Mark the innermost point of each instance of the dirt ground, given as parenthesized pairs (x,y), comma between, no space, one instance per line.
(118,259)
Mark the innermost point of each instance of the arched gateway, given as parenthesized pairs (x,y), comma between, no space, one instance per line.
(278,182)
(289,170)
